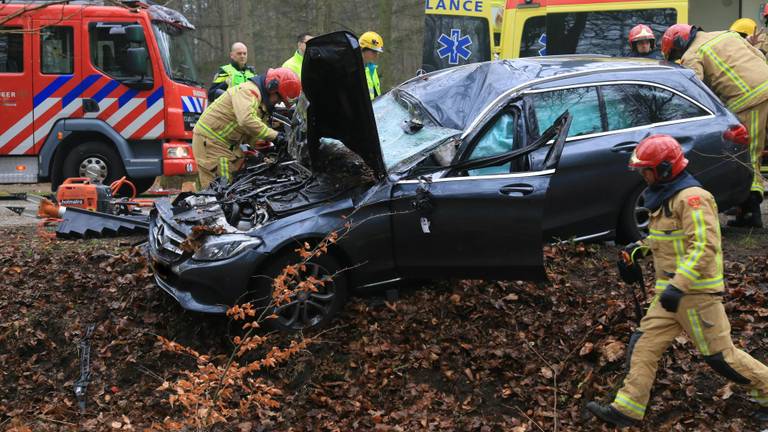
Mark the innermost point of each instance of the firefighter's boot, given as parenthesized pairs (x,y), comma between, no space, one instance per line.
(611,415)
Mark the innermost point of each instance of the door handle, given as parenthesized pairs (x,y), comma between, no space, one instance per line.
(625,147)
(516,190)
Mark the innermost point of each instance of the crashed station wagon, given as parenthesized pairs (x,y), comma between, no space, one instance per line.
(459,173)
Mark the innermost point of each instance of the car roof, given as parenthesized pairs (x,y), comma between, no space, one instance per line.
(456,96)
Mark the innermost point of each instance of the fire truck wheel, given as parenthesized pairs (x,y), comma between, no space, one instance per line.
(95,160)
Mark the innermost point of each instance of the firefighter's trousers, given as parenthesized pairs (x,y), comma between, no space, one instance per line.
(703,318)
(215,159)
(756,121)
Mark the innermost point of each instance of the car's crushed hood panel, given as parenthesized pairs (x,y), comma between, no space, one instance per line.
(339,108)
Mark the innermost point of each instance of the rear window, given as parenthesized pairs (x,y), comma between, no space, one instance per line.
(454,40)
(604,32)
(534,38)
(631,105)
(11,50)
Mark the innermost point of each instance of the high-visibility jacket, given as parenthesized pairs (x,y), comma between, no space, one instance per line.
(238,116)
(227,76)
(730,66)
(685,241)
(233,75)
(372,76)
(294,63)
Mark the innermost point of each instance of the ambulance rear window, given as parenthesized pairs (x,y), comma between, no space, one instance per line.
(602,32)
(11,50)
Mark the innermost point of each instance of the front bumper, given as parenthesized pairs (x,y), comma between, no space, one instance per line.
(200,286)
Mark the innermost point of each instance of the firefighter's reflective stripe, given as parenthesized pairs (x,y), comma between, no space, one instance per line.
(626,402)
(213,134)
(740,102)
(760,398)
(706,49)
(224,168)
(756,151)
(698,332)
(666,235)
(699,284)
(687,268)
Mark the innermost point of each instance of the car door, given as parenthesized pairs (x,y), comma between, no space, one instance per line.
(592,177)
(57,74)
(482,221)
(16,98)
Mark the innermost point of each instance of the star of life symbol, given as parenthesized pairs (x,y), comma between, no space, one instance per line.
(454,46)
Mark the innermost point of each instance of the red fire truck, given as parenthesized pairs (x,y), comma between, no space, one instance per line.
(95,90)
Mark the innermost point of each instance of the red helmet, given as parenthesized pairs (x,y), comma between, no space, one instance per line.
(765,11)
(676,38)
(662,154)
(284,81)
(639,33)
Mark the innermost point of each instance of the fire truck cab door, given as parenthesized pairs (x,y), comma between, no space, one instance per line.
(16,102)
(59,85)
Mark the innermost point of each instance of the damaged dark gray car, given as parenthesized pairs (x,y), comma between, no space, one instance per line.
(445,176)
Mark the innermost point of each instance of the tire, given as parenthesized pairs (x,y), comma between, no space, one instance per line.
(94,159)
(316,310)
(633,219)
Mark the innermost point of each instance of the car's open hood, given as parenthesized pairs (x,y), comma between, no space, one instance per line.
(333,80)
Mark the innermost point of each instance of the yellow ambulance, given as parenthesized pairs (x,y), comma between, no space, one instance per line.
(467,31)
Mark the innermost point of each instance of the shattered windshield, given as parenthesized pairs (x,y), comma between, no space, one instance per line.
(175,49)
(401,144)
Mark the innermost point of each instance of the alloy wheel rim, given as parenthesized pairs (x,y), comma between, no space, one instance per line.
(307,309)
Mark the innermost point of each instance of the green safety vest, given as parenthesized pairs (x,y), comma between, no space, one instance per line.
(235,76)
(374,85)
(294,63)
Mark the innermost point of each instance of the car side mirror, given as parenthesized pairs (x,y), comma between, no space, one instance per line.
(134,33)
(137,61)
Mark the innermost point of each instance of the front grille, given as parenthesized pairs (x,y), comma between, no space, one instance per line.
(166,241)
(190,118)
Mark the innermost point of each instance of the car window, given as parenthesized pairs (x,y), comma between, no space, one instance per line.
(57,52)
(630,105)
(533,42)
(11,50)
(582,103)
(602,32)
(497,140)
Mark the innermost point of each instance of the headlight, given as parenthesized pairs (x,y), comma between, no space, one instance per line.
(226,246)
(177,152)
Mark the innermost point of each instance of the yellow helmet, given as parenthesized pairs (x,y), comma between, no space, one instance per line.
(746,26)
(372,41)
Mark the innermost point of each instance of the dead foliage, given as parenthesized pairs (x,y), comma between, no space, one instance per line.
(462,355)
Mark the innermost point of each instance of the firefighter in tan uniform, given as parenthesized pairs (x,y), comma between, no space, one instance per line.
(738,74)
(685,242)
(237,117)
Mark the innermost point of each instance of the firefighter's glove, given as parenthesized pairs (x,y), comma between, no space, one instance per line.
(630,272)
(280,139)
(636,251)
(670,298)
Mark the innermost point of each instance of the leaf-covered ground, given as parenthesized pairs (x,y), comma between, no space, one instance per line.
(460,355)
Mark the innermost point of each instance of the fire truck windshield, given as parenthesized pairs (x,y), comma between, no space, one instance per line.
(175,49)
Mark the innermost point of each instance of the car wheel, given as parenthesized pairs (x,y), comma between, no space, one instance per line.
(306,309)
(633,219)
(95,160)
